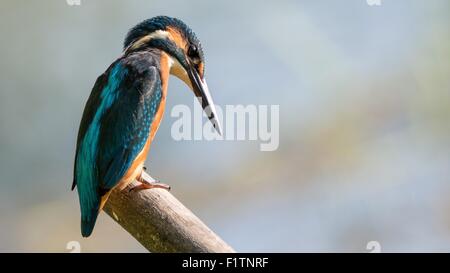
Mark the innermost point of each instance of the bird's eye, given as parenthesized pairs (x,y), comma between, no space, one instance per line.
(192,51)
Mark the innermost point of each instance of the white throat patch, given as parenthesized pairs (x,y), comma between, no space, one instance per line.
(178,71)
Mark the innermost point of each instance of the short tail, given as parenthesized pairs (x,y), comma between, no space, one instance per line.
(89,218)
(88,223)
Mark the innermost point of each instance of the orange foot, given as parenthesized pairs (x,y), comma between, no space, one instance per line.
(148,182)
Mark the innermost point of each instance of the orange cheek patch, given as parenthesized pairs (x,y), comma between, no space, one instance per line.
(201,70)
(177,37)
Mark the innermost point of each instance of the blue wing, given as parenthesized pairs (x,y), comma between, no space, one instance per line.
(114,129)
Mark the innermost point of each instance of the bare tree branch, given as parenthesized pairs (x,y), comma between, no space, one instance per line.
(161,223)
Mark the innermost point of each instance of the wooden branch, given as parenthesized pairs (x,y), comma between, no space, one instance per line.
(161,223)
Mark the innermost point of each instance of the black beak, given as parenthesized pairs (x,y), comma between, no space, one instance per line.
(201,91)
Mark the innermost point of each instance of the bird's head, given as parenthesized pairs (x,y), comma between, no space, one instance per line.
(186,59)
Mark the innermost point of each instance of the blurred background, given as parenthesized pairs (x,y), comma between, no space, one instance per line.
(364,95)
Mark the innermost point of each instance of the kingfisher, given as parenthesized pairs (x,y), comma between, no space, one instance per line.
(125,109)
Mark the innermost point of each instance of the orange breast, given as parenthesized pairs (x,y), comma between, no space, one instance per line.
(137,164)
